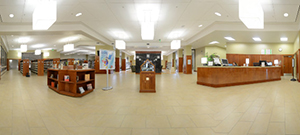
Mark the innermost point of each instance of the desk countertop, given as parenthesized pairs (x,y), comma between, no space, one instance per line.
(238,67)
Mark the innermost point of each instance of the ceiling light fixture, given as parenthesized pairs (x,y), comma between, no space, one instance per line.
(251,14)
(23,48)
(19,54)
(214,42)
(78,14)
(256,39)
(147,15)
(200,25)
(44,15)
(38,46)
(285,14)
(120,44)
(11,15)
(147,30)
(37,52)
(175,44)
(229,38)
(284,39)
(218,14)
(68,47)
(23,40)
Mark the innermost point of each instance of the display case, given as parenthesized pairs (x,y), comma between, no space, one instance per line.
(147,77)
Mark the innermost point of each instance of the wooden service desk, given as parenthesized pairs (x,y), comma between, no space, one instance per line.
(229,76)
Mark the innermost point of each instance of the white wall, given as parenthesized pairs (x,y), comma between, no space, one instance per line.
(250,48)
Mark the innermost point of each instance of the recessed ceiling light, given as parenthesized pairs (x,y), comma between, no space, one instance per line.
(229,38)
(256,39)
(218,14)
(284,39)
(285,14)
(11,15)
(214,42)
(78,14)
(200,25)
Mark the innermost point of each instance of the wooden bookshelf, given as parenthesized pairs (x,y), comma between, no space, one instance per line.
(71,87)
(24,66)
(37,67)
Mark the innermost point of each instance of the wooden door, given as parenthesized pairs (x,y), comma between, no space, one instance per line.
(287,66)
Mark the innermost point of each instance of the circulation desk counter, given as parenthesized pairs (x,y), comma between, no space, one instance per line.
(229,76)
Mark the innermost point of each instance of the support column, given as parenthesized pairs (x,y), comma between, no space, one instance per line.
(117,64)
(173,59)
(123,61)
(188,60)
(180,60)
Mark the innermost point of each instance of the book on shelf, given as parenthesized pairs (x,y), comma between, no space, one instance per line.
(51,76)
(87,77)
(67,78)
(52,84)
(57,77)
(81,90)
(77,78)
(89,86)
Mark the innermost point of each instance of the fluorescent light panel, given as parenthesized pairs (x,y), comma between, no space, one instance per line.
(175,44)
(284,39)
(218,14)
(68,47)
(229,38)
(251,14)
(44,15)
(214,42)
(256,39)
(23,40)
(120,44)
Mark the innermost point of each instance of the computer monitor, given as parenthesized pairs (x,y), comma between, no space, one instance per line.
(269,63)
(224,62)
(261,61)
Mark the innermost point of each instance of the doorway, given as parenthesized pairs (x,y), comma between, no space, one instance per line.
(13,64)
(287,65)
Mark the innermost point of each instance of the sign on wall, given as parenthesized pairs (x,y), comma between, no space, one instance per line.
(266,51)
(107,59)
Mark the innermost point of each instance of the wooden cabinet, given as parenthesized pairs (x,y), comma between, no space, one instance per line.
(77,79)
(147,81)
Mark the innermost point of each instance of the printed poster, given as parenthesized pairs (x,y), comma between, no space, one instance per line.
(107,59)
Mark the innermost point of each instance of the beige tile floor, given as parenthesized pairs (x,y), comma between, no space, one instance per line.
(180,107)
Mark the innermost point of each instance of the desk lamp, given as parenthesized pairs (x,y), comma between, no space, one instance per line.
(276,63)
(204,61)
(247,61)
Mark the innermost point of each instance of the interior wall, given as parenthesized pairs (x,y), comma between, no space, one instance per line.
(13,54)
(250,48)
(200,52)
(75,56)
(215,49)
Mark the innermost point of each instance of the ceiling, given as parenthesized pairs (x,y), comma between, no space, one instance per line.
(102,19)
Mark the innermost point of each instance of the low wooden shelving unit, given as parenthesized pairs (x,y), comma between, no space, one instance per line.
(57,83)
(147,78)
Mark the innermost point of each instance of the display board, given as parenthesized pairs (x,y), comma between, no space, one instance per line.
(107,59)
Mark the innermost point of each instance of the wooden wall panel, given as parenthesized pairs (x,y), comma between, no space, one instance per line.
(117,65)
(7,67)
(123,64)
(180,64)
(40,67)
(254,58)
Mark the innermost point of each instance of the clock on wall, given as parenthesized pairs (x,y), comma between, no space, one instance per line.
(280,49)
